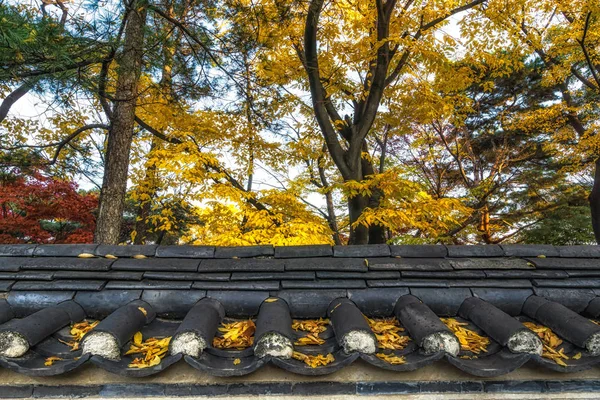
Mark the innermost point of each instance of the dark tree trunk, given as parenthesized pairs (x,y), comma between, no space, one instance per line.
(595,202)
(360,233)
(114,185)
(14,96)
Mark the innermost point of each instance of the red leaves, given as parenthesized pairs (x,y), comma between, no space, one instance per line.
(39,209)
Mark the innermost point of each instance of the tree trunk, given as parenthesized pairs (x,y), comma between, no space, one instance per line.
(360,233)
(595,202)
(114,185)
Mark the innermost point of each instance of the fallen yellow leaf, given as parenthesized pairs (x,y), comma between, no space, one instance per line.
(51,360)
(86,255)
(237,361)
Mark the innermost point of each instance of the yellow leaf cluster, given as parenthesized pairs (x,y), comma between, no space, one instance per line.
(78,331)
(236,335)
(391,358)
(387,331)
(314,361)
(469,340)
(152,350)
(551,344)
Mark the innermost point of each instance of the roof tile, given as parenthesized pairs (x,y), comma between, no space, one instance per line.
(576,300)
(25,303)
(126,251)
(362,251)
(239,303)
(383,283)
(273,276)
(565,263)
(325,284)
(102,303)
(359,275)
(464,274)
(309,303)
(109,275)
(67,263)
(63,284)
(377,302)
(6,285)
(17,250)
(187,276)
(148,284)
(490,263)
(170,303)
(443,302)
(529,250)
(63,250)
(244,251)
(185,251)
(508,300)
(526,273)
(11,264)
(321,250)
(28,275)
(488,250)
(419,251)
(237,285)
(156,264)
(325,264)
(589,251)
(242,264)
(567,283)
(409,264)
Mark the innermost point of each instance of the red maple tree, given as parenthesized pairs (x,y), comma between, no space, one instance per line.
(38,209)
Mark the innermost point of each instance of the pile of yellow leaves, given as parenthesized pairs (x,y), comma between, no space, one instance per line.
(469,340)
(77,332)
(314,327)
(387,331)
(551,343)
(153,351)
(236,335)
(391,358)
(314,361)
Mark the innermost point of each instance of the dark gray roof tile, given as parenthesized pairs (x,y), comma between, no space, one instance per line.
(62,284)
(187,276)
(28,302)
(529,250)
(244,251)
(11,264)
(148,284)
(242,264)
(383,283)
(273,276)
(237,285)
(576,300)
(109,275)
(565,263)
(156,264)
(490,250)
(17,250)
(408,264)
(101,304)
(444,303)
(321,250)
(126,251)
(6,285)
(526,273)
(491,283)
(185,251)
(239,303)
(419,251)
(325,264)
(377,302)
(67,263)
(309,303)
(362,251)
(325,284)
(28,275)
(490,263)
(464,274)
(589,251)
(359,275)
(63,250)
(567,283)
(170,303)
(576,273)
(508,300)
